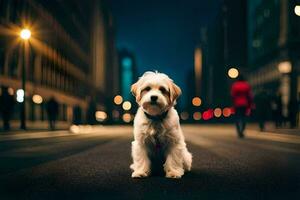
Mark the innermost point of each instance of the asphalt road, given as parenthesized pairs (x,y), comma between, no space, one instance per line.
(95,165)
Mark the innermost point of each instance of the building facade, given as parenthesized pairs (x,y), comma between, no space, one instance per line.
(70,55)
(273,49)
(223,45)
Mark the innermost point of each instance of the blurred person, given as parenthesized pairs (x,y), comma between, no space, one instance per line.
(77,115)
(263,107)
(276,106)
(298,110)
(242,102)
(52,111)
(293,111)
(7,103)
(90,114)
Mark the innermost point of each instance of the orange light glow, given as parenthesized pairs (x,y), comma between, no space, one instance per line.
(196,101)
(197,116)
(118,99)
(226,112)
(218,112)
(126,117)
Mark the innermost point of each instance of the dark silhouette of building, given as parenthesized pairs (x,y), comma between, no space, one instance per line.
(72,53)
(273,50)
(52,111)
(7,103)
(223,45)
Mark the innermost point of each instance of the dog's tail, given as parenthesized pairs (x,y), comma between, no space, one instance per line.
(187,160)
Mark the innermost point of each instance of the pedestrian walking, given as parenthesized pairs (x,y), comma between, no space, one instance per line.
(242,102)
(276,105)
(77,115)
(7,103)
(262,108)
(90,114)
(52,111)
(298,111)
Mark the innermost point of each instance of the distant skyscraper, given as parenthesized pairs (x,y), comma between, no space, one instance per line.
(223,45)
(127,66)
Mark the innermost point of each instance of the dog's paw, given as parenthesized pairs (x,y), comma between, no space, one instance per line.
(172,174)
(139,174)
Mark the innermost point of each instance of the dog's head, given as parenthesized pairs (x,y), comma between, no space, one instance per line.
(155,92)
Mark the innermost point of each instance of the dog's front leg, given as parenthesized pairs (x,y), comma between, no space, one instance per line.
(174,162)
(141,162)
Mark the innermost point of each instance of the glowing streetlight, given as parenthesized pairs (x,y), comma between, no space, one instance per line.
(233,73)
(25,34)
(297,10)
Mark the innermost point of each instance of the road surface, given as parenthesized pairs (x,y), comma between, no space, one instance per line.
(94,164)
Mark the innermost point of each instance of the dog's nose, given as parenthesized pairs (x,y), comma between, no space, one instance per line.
(153,98)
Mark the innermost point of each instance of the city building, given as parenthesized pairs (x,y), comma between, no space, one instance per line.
(128,73)
(70,55)
(273,48)
(222,43)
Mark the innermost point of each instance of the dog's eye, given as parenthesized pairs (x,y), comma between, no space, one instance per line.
(147,89)
(162,89)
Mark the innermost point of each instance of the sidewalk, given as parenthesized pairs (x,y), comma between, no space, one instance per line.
(33,126)
(270,127)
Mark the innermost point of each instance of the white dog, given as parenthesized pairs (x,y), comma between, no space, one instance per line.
(157,128)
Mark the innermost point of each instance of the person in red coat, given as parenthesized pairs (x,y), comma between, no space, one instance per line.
(242,103)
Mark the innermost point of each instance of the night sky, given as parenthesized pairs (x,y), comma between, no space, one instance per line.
(162,34)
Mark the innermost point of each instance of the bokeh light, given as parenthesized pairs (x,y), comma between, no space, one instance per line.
(100,116)
(297,10)
(285,67)
(197,116)
(38,99)
(20,95)
(226,112)
(126,105)
(218,112)
(196,101)
(126,117)
(233,73)
(118,99)
(184,115)
(10,91)
(207,115)
(115,114)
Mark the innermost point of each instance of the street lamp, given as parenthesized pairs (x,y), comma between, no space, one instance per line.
(25,34)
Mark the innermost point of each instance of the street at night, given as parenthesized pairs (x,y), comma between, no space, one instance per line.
(94,163)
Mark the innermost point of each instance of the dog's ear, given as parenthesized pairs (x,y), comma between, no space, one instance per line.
(135,92)
(175,91)
(134,89)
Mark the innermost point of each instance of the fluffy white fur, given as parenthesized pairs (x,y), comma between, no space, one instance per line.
(166,132)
